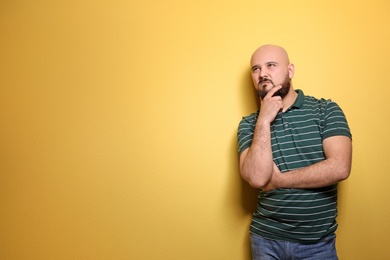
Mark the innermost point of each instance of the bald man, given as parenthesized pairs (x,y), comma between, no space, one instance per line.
(295,149)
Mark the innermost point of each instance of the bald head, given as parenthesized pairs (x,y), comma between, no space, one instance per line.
(271,52)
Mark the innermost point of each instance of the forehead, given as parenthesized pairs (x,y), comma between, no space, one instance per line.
(267,54)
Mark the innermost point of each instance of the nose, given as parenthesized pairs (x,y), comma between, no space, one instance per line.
(263,76)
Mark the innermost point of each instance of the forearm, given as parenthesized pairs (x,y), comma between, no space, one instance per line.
(257,164)
(318,175)
(335,168)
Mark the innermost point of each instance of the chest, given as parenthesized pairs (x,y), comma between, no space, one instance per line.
(297,137)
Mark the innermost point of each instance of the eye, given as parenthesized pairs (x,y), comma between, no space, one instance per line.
(254,69)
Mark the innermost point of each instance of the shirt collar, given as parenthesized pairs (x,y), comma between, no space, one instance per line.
(299,101)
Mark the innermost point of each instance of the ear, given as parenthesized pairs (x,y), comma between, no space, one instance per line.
(291,69)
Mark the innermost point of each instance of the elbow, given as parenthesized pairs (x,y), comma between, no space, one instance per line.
(257,183)
(344,172)
(255,177)
(345,175)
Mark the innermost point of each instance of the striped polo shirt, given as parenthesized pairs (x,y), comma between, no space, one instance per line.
(297,215)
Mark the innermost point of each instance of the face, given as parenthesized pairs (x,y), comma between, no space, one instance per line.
(270,68)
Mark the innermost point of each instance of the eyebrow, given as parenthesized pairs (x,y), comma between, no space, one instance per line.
(267,63)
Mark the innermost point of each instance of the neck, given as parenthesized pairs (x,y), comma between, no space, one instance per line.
(289,99)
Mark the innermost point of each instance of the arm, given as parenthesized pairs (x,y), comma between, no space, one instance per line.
(256,162)
(335,168)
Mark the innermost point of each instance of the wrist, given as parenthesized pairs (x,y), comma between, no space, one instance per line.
(262,122)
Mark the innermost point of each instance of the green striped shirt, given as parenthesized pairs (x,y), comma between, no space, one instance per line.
(297,215)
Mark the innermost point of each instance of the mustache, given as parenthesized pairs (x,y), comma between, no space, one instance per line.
(262,80)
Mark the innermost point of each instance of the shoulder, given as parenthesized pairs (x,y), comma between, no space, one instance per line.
(321,104)
(250,119)
(316,102)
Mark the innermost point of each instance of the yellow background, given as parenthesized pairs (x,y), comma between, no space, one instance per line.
(119,118)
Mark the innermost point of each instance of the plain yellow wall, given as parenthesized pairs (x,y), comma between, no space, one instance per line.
(119,118)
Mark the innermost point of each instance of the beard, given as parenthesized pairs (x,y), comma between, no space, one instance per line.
(286,84)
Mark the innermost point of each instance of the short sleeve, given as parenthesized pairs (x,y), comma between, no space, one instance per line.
(334,121)
(245,132)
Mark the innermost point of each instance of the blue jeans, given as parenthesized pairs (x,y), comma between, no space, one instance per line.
(267,249)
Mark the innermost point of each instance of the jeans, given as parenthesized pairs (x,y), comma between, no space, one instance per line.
(267,249)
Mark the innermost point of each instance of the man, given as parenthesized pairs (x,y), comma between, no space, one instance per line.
(295,149)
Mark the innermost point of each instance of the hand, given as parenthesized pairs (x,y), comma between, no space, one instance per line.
(270,106)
